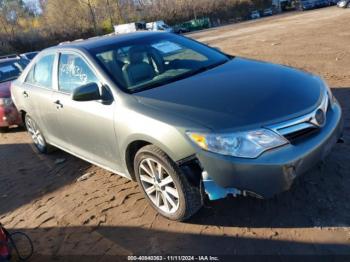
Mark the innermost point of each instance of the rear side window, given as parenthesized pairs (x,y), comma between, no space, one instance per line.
(41,72)
(74,72)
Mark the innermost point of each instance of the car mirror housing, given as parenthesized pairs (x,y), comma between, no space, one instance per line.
(88,92)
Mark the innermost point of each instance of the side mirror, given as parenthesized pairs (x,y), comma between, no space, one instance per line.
(88,92)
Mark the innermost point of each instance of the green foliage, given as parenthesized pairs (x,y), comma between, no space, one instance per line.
(107,26)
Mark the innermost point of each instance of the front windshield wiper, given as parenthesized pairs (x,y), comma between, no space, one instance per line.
(206,68)
(177,78)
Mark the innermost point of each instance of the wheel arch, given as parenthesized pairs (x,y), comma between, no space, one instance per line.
(130,153)
(23,115)
(136,142)
(187,163)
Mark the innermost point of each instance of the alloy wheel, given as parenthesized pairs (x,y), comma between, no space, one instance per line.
(35,133)
(159,185)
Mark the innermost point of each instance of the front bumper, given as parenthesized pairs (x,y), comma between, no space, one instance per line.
(275,170)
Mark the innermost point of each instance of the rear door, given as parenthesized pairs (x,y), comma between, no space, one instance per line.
(37,96)
(88,126)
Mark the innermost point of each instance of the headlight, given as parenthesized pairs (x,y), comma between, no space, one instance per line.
(250,144)
(5,101)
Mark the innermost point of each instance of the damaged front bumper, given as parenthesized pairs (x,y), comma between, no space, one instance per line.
(275,170)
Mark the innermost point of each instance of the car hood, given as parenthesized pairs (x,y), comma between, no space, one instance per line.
(5,89)
(238,94)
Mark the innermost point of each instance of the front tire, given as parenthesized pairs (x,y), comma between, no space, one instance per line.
(37,136)
(165,187)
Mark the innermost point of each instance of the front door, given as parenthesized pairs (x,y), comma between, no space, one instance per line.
(88,126)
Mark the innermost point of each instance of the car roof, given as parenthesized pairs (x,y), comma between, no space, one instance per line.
(6,60)
(28,53)
(98,41)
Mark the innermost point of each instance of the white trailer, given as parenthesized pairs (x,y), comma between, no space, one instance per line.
(159,26)
(125,28)
(129,28)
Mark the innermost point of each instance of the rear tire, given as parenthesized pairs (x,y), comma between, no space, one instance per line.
(37,136)
(164,185)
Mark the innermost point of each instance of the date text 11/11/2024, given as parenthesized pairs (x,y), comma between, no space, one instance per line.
(173,258)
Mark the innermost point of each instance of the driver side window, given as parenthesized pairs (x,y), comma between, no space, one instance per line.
(73,72)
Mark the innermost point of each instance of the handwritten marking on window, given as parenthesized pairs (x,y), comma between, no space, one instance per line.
(74,71)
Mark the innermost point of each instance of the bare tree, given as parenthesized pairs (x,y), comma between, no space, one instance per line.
(72,19)
(90,6)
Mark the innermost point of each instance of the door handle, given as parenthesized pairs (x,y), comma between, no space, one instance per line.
(58,104)
(25,94)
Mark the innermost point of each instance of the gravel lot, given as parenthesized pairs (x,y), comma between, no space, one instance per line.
(107,215)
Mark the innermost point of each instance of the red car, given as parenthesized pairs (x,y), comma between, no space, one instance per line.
(10,69)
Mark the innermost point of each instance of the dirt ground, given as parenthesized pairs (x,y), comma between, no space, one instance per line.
(107,215)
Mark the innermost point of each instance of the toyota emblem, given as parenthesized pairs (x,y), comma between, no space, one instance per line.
(320,117)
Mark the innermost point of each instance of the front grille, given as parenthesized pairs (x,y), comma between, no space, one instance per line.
(303,127)
(299,135)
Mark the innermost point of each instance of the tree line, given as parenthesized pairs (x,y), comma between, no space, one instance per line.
(35,24)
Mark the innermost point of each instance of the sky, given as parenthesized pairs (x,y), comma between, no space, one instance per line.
(33,4)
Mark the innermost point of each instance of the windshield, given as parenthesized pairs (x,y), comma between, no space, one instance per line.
(10,70)
(156,60)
